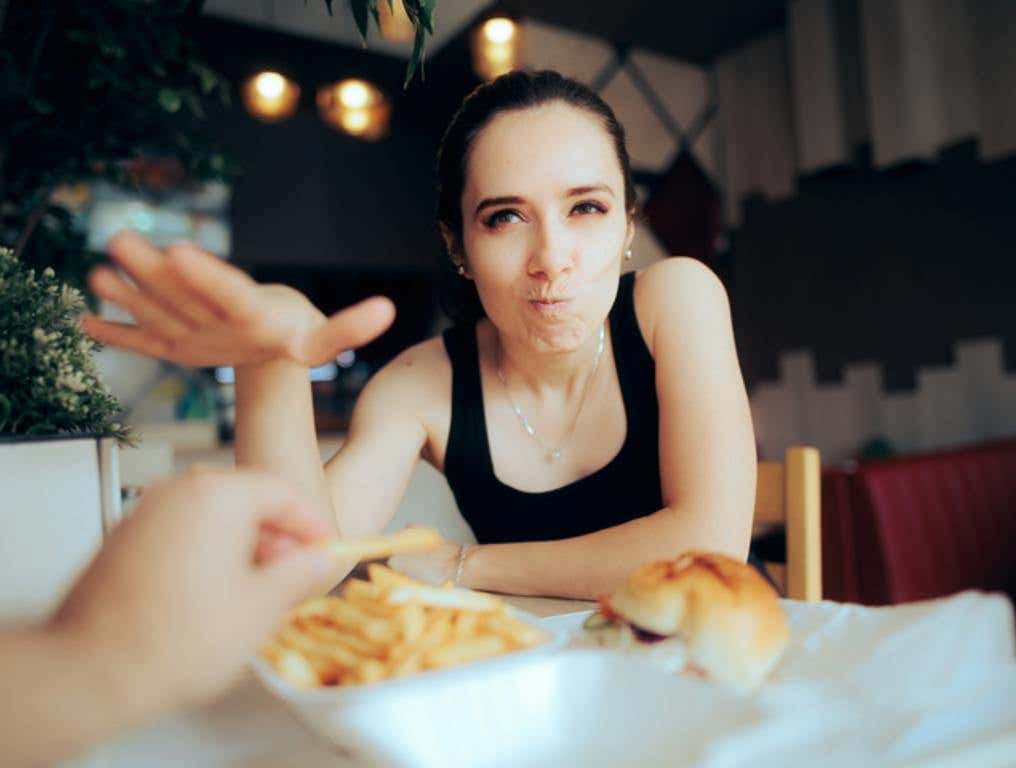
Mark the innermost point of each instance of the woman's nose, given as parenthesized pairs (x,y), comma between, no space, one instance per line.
(552,253)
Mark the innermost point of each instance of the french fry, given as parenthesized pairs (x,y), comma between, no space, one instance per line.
(316,606)
(367,671)
(388,578)
(439,597)
(464,624)
(296,669)
(348,615)
(362,592)
(437,632)
(309,646)
(410,665)
(463,651)
(412,622)
(518,633)
(378,547)
(355,643)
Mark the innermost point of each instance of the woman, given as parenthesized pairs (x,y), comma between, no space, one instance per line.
(587,424)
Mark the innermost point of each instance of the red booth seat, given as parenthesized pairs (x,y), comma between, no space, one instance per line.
(922,526)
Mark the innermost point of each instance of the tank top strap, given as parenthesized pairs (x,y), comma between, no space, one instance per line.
(635,365)
(468,450)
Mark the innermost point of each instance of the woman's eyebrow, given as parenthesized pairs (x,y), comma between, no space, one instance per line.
(492,201)
(576,191)
(488,202)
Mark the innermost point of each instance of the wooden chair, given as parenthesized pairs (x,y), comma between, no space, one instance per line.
(788,494)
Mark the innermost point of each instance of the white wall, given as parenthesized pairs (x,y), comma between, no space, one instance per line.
(973,400)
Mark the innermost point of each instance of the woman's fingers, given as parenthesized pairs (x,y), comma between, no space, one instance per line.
(107,284)
(222,289)
(352,327)
(157,277)
(125,336)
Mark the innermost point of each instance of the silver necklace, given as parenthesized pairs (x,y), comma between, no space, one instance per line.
(553,453)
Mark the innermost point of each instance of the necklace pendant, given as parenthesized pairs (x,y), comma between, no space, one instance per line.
(554,454)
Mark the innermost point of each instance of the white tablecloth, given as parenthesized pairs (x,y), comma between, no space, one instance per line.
(929,683)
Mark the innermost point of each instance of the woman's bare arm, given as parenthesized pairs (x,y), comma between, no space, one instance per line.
(368,477)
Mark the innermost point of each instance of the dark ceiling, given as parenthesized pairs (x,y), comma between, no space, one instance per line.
(696,31)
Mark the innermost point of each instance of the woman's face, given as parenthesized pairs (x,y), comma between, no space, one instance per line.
(544,224)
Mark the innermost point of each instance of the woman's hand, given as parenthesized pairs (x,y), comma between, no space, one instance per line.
(436,567)
(192,308)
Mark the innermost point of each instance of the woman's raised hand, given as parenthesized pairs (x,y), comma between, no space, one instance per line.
(192,308)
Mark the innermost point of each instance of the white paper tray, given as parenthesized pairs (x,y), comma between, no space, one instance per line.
(556,708)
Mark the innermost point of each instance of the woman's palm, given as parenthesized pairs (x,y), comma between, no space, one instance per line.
(192,308)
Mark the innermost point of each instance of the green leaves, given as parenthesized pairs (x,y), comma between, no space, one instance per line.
(421,14)
(361,11)
(106,82)
(170,100)
(48,380)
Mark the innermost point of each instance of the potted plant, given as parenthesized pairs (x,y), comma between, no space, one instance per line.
(59,438)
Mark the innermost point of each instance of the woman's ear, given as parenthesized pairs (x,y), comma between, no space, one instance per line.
(448,236)
(629,234)
(454,247)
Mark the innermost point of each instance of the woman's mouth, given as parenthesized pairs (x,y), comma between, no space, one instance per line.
(550,306)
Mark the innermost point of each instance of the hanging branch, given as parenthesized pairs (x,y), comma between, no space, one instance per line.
(420,13)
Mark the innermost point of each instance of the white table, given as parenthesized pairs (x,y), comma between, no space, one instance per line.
(929,683)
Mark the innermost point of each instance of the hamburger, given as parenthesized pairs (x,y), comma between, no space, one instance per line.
(703,612)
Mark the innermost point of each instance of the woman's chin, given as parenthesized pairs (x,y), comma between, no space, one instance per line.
(559,334)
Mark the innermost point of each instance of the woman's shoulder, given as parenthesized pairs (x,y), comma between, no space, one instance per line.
(675,290)
(420,364)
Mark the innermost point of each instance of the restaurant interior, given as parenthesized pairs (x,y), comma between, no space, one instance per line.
(845,168)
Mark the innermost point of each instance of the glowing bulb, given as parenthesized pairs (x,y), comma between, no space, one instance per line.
(270,85)
(270,96)
(499,30)
(354,94)
(355,120)
(355,107)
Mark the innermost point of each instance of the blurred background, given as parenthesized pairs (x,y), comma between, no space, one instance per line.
(846,166)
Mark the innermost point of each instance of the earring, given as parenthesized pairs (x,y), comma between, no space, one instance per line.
(461,270)
(627,255)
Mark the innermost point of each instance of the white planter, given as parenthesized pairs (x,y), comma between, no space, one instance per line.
(58,499)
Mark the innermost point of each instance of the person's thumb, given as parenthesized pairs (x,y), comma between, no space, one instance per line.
(299,574)
(351,328)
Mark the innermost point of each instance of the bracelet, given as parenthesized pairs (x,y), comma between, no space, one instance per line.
(463,548)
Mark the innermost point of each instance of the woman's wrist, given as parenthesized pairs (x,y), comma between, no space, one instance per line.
(279,367)
(459,579)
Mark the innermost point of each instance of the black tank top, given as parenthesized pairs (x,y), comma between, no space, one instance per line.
(626,488)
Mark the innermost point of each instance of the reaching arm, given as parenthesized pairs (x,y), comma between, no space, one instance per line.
(60,694)
(192,308)
(165,617)
(275,428)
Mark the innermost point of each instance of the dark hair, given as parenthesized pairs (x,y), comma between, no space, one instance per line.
(516,90)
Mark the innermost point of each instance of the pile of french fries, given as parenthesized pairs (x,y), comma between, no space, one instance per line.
(391,626)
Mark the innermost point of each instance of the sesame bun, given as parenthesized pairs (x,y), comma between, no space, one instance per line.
(728,616)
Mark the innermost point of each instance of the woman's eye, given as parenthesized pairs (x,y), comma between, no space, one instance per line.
(499,218)
(589,207)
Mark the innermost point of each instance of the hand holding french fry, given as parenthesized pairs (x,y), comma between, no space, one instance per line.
(190,585)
